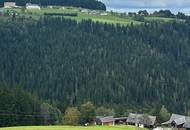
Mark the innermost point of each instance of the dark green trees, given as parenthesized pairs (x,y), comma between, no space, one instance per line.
(71,116)
(18,108)
(111,65)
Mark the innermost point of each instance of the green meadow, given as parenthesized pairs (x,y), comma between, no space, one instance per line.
(110,18)
(123,127)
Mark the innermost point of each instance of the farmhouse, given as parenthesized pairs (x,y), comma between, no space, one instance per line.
(9,4)
(141,120)
(32,6)
(85,11)
(179,122)
(109,120)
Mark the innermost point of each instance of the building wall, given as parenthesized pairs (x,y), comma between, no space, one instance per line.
(108,123)
(9,4)
(32,7)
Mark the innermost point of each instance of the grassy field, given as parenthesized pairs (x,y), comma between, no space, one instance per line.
(109,18)
(73,128)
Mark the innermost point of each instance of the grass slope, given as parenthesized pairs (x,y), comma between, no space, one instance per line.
(110,18)
(73,128)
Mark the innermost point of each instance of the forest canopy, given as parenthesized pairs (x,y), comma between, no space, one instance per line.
(61,60)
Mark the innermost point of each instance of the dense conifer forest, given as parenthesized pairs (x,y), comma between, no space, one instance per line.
(90,4)
(68,63)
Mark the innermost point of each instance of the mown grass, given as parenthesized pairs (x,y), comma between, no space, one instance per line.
(123,127)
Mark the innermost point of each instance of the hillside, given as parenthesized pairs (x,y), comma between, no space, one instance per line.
(64,61)
(80,14)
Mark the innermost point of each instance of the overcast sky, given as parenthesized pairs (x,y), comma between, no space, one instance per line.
(147,3)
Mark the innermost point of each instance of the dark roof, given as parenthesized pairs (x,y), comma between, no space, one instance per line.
(179,120)
(121,118)
(140,119)
(106,119)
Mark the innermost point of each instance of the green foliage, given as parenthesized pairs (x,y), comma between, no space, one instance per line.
(18,107)
(143,13)
(163,13)
(50,114)
(71,116)
(138,18)
(164,115)
(87,112)
(111,65)
(101,111)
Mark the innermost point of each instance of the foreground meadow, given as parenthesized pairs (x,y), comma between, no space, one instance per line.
(72,128)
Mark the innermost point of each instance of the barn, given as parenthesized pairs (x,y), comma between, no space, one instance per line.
(141,120)
(178,121)
(109,120)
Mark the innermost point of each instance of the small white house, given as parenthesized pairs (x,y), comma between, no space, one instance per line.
(104,14)
(85,11)
(32,6)
(9,4)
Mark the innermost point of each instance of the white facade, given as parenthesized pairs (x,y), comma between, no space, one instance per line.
(104,14)
(9,4)
(32,6)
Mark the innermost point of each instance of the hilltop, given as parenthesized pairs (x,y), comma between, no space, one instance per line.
(80,14)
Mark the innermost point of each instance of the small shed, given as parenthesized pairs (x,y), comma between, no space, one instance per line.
(109,120)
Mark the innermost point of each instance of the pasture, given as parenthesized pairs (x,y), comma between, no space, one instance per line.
(110,18)
(123,127)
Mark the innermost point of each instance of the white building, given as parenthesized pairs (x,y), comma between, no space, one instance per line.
(32,6)
(104,14)
(9,4)
(85,11)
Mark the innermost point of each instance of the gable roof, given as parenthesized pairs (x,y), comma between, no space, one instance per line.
(121,118)
(106,119)
(140,118)
(179,120)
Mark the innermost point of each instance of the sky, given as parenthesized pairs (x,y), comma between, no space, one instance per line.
(174,5)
